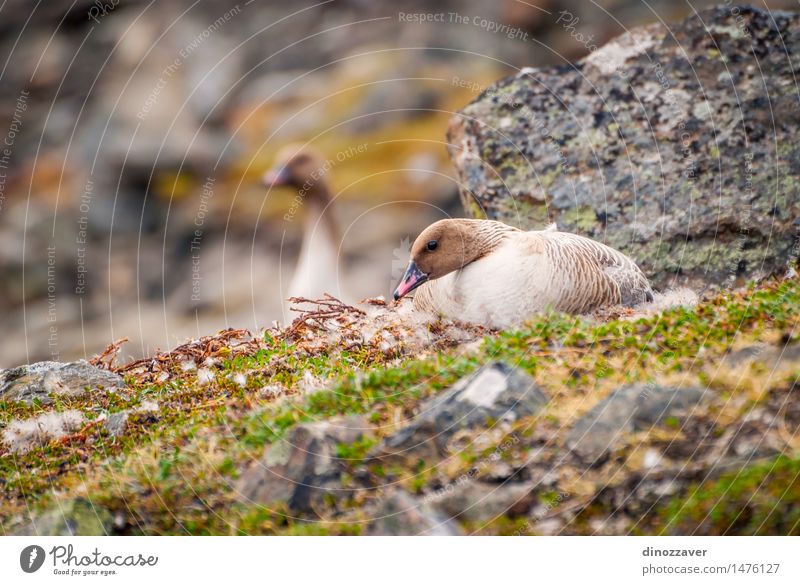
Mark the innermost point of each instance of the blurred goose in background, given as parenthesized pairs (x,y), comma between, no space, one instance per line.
(491,274)
(317,270)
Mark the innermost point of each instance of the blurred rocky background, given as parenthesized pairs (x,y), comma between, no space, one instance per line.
(134,135)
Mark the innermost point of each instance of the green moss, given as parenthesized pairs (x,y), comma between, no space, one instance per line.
(528,214)
(356,451)
(582,219)
(473,207)
(760,499)
(75,517)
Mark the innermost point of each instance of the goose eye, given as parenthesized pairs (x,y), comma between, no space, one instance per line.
(432,245)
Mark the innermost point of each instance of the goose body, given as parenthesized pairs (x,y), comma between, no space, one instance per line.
(498,276)
(317,269)
(316,273)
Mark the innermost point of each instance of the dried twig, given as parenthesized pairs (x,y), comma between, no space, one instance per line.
(325,309)
(375,301)
(325,326)
(106,359)
(196,351)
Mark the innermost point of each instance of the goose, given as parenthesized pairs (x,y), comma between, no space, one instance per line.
(488,273)
(317,271)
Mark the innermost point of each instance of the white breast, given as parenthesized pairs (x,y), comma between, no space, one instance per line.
(498,290)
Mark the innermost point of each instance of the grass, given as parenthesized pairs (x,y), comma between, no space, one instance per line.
(174,470)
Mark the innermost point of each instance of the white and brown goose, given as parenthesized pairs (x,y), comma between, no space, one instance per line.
(489,273)
(303,169)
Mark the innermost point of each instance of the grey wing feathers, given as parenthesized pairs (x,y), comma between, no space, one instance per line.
(633,285)
(617,270)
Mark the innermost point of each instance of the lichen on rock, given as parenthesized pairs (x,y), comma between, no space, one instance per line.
(675,144)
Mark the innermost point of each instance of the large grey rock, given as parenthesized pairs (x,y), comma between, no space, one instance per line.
(628,409)
(75,517)
(401,514)
(496,392)
(678,145)
(43,379)
(302,467)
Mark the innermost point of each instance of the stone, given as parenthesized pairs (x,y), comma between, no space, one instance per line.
(75,517)
(41,380)
(401,514)
(496,392)
(548,527)
(117,423)
(661,143)
(26,383)
(772,358)
(480,502)
(302,467)
(626,410)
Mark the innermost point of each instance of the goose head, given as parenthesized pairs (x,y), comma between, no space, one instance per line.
(444,247)
(298,166)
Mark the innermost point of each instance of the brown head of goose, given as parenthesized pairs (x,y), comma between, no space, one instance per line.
(489,273)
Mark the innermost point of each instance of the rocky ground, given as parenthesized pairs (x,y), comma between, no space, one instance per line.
(366,420)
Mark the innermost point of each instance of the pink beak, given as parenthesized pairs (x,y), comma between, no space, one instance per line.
(275,177)
(411,280)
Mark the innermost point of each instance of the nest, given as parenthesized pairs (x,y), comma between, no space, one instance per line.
(325,326)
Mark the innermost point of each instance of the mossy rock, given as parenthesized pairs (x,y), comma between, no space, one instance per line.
(643,145)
